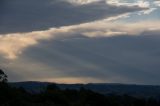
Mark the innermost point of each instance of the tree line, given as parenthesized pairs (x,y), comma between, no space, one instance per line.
(54,96)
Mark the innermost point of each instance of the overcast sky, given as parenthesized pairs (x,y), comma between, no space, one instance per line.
(81,41)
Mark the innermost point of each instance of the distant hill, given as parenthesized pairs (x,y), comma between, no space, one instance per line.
(103,88)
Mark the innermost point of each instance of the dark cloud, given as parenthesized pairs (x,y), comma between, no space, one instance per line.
(29,15)
(124,59)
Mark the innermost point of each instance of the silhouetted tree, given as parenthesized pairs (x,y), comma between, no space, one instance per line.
(3,77)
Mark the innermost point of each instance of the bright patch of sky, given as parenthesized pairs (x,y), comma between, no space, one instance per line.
(150,14)
(81,2)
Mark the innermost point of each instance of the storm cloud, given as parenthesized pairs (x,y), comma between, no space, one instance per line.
(32,15)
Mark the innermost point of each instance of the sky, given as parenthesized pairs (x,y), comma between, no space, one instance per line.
(81,41)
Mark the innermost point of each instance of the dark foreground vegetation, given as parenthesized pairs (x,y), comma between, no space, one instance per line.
(54,96)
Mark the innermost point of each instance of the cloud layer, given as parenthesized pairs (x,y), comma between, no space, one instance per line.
(14,44)
(116,52)
(84,41)
(34,15)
